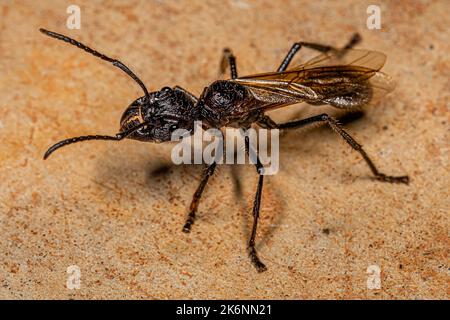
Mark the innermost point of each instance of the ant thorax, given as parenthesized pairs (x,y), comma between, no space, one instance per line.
(222,104)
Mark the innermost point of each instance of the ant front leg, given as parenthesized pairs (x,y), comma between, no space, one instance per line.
(256,207)
(228,59)
(333,124)
(355,39)
(197,195)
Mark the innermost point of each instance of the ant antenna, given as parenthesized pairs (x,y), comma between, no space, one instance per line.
(115,62)
(119,136)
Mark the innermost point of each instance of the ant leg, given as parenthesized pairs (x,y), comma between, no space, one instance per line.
(355,39)
(190,95)
(228,59)
(256,206)
(337,128)
(196,198)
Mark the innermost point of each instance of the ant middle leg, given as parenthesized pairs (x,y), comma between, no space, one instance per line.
(260,267)
(333,124)
(197,195)
(228,59)
(355,39)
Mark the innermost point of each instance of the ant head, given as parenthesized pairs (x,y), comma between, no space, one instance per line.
(152,117)
(164,112)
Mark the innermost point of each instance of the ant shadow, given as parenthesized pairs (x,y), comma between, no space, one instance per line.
(243,205)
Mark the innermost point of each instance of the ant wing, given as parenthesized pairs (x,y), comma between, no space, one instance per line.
(380,83)
(345,78)
(345,57)
(364,60)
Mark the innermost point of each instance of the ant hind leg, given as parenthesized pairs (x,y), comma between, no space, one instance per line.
(333,124)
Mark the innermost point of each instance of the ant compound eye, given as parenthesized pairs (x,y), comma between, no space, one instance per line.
(173,127)
(166,89)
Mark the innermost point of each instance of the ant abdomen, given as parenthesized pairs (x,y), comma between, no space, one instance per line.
(360,96)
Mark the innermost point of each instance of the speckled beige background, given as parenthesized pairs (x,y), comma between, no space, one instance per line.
(112,210)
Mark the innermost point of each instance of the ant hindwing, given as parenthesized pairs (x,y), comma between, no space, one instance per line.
(343,78)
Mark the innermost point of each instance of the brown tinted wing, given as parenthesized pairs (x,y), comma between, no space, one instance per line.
(351,57)
(381,84)
(325,77)
(311,85)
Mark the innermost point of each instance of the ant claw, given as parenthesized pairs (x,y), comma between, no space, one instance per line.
(187,228)
(403,179)
(260,267)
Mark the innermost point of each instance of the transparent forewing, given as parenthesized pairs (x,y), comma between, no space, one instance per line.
(323,78)
(381,85)
(351,57)
(313,85)
(364,59)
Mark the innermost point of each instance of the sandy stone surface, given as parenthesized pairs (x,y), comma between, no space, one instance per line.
(115,210)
